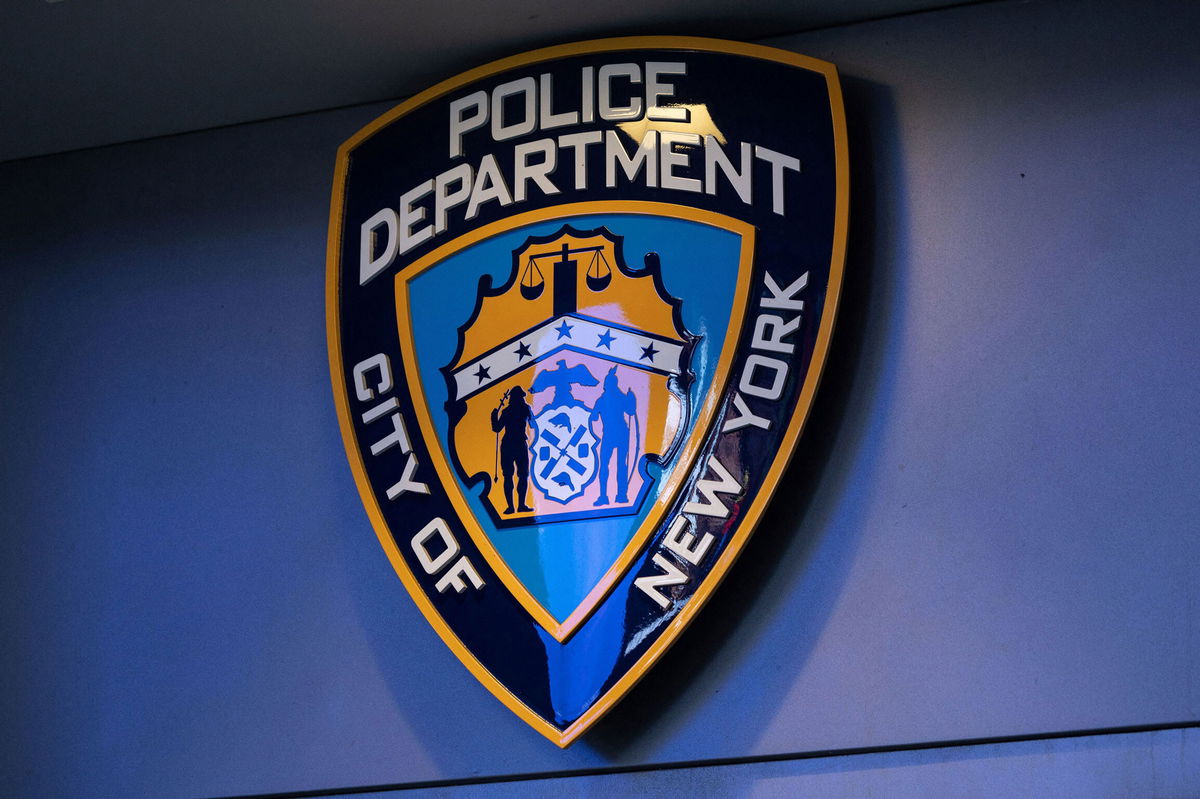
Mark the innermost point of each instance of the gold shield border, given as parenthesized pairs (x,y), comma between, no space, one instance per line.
(561,631)
(791,435)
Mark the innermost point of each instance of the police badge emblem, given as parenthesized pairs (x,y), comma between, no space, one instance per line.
(572,357)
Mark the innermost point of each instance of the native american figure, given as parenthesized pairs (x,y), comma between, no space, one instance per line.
(616,410)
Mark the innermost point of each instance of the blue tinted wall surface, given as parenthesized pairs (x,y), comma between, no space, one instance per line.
(989,529)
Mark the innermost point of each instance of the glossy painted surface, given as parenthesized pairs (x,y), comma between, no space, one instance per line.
(567,548)
(557,304)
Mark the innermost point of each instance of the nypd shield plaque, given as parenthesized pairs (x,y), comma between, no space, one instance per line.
(579,301)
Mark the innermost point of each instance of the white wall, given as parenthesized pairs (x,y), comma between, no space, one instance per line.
(993,515)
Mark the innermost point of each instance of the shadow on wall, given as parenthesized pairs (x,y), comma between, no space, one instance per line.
(795,563)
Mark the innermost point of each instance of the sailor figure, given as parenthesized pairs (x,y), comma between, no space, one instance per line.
(513,418)
(611,409)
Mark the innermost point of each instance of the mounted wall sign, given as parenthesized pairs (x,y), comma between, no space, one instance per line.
(578,303)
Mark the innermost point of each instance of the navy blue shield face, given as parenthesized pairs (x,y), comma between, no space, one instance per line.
(578,303)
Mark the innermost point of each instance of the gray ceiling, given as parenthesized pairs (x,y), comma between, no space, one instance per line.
(81,73)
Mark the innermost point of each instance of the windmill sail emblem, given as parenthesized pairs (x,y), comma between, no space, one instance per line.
(578,305)
(578,369)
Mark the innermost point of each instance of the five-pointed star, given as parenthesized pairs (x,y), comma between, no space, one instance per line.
(482,373)
(606,340)
(563,330)
(648,353)
(522,351)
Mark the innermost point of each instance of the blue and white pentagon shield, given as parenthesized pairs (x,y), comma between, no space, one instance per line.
(578,305)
